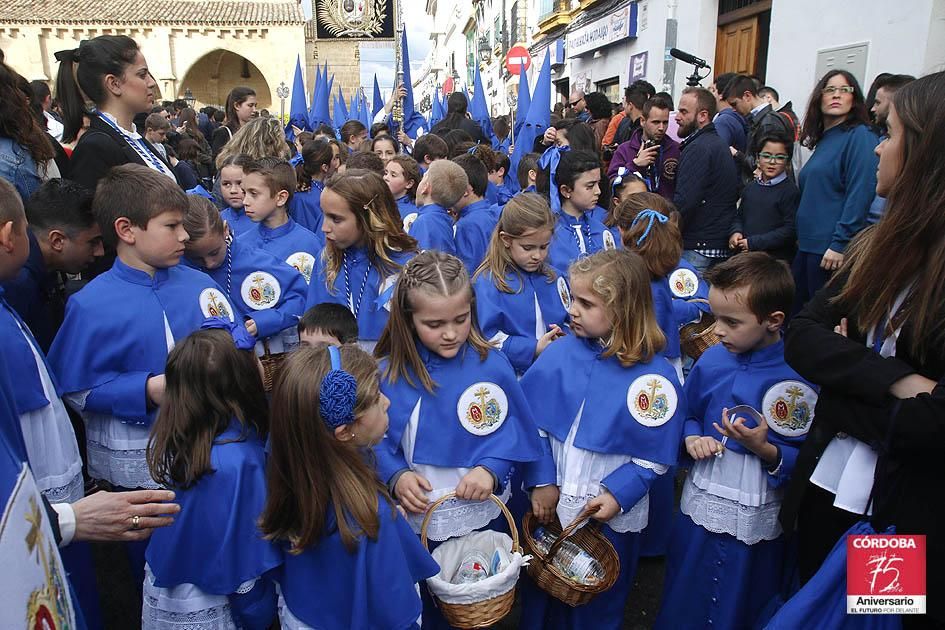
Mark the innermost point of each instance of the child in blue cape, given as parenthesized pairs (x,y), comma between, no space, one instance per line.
(110,352)
(351,562)
(727,556)
(402,174)
(319,162)
(527,173)
(231,189)
(268,294)
(476,216)
(649,225)
(269,184)
(571,180)
(211,568)
(439,189)
(365,248)
(521,302)
(499,178)
(458,418)
(612,409)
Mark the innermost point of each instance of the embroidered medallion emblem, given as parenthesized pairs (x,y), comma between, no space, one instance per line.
(214,304)
(303,262)
(652,400)
(482,408)
(683,283)
(789,407)
(408,221)
(669,168)
(260,290)
(564,293)
(608,238)
(352,18)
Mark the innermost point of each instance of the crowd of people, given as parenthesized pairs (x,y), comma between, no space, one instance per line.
(255,362)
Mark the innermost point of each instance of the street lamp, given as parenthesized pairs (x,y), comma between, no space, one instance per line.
(283,93)
(190,98)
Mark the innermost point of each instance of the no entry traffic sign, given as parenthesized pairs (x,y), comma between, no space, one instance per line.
(517,56)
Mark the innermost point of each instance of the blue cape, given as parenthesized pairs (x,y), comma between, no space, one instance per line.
(238,221)
(433,229)
(284,242)
(372,312)
(18,353)
(214,542)
(114,355)
(330,588)
(564,242)
(474,230)
(270,317)
(405,207)
(514,313)
(571,372)
(306,209)
(445,433)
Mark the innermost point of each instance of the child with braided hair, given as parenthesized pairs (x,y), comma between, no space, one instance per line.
(458,418)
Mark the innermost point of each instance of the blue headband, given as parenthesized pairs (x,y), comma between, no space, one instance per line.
(241,337)
(550,159)
(652,215)
(337,394)
(624,173)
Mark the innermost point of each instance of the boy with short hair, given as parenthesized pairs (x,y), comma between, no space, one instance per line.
(749,412)
(527,172)
(765,217)
(427,149)
(441,187)
(329,323)
(477,218)
(110,352)
(269,184)
(63,238)
(156,129)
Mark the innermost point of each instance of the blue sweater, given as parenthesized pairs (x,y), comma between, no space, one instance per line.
(837,185)
(732,129)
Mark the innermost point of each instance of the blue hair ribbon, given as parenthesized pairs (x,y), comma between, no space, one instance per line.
(550,159)
(338,393)
(651,215)
(241,337)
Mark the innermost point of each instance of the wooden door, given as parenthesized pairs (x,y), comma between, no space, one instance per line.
(736,47)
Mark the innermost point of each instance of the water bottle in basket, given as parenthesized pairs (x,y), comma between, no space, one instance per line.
(573,561)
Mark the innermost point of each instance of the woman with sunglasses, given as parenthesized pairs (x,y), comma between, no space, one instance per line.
(838,182)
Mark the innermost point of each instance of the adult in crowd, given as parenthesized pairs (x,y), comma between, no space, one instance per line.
(577,105)
(838,182)
(706,181)
(638,93)
(189,168)
(457,118)
(42,97)
(729,124)
(110,71)
(240,109)
(26,150)
(875,439)
(770,96)
(883,88)
(600,110)
(650,151)
(259,138)
(568,132)
(762,120)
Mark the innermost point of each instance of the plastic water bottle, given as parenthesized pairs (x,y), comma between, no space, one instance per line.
(573,561)
(474,567)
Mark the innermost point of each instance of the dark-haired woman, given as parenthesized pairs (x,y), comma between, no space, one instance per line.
(240,109)
(26,150)
(456,118)
(875,442)
(838,182)
(191,129)
(111,71)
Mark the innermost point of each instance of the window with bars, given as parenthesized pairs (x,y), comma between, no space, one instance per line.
(725,6)
(513,27)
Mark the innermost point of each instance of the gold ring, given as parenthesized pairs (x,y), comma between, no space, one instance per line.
(134,522)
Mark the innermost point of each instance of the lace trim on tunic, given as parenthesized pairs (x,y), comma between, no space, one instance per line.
(749,524)
(124,468)
(456,517)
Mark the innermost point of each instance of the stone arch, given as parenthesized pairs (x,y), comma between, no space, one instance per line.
(211,77)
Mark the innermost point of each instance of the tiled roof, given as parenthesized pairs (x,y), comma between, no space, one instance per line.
(151,12)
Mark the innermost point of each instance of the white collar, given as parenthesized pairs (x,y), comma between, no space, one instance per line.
(134,135)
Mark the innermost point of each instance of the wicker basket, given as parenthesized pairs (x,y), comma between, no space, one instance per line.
(697,337)
(550,578)
(271,364)
(480,614)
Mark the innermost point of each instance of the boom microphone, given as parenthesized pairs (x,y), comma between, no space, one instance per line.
(684,56)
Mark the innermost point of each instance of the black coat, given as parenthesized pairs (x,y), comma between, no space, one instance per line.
(855,399)
(98,150)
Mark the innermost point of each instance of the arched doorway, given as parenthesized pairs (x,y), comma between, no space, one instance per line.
(212,77)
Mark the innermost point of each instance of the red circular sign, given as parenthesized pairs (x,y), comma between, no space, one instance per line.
(448,86)
(517,56)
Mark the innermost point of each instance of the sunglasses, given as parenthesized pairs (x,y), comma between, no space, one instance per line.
(574,103)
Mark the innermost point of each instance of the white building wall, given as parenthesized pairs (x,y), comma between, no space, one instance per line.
(908,38)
